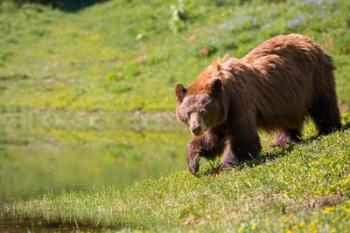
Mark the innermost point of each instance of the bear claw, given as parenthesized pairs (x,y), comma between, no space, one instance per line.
(193,166)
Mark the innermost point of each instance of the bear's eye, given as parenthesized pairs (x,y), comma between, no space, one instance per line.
(188,115)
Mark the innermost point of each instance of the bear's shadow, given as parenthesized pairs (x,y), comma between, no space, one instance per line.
(262,159)
(268,156)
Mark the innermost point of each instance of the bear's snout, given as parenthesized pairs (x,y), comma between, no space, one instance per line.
(196,130)
(197,125)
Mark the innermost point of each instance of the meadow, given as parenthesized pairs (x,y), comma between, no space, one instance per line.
(95,88)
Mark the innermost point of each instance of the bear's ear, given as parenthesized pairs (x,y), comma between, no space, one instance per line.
(215,87)
(180,92)
(216,65)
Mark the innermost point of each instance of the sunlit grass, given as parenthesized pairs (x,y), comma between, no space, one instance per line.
(87,79)
(306,189)
(123,56)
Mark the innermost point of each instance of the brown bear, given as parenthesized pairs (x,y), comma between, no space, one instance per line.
(274,87)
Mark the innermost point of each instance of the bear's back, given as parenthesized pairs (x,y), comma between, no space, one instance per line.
(290,70)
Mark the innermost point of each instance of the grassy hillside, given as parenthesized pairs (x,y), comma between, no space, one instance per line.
(304,190)
(82,76)
(127,55)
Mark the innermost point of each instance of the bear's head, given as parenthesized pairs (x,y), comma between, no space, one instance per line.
(200,106)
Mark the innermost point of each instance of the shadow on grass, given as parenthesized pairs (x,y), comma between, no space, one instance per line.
(264,157)
(346,126)
(64,5)
(15,77)
(261,159)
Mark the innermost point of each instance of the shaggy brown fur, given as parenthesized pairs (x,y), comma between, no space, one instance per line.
(274,87)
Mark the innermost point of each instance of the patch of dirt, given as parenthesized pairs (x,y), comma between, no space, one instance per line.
(343,107)
(142,59)
(192,38)
(168,116)
(331,200)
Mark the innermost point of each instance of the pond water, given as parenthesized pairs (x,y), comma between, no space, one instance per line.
(44,152)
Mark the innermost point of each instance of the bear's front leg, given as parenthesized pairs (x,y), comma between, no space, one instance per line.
(208,145)
(194,149)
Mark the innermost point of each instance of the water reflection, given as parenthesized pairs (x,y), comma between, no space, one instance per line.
(60,151)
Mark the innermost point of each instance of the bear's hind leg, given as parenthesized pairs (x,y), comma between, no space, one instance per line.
(229,159)
(285,138)
(325,114)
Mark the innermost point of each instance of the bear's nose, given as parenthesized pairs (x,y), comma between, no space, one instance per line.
(196,130)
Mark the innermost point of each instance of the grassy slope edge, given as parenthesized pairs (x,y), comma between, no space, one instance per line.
(306,189)
(122,55)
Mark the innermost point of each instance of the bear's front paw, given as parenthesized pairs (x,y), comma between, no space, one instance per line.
(283,144)
(227,166)
(193,166)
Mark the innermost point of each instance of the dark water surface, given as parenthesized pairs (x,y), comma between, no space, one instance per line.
(44,152)
(9,225)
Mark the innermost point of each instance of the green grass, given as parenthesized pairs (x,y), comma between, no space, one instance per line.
(304,190)
(104,73)
(124,56)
